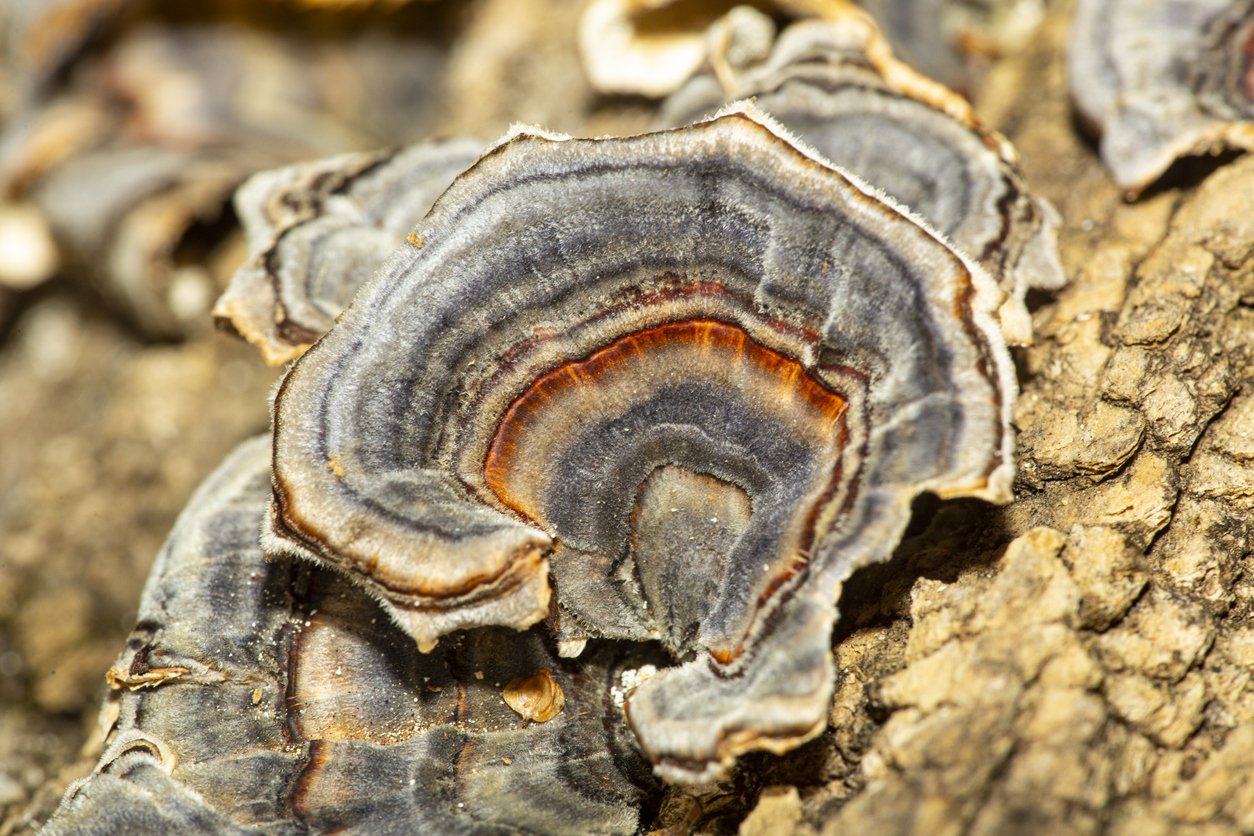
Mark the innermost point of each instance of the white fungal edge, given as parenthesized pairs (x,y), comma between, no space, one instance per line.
(985,305)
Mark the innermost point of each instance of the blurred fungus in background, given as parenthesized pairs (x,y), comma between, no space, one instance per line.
(127,126)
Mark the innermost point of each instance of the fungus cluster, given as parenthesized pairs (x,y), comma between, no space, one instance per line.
(645,402)
(687,381)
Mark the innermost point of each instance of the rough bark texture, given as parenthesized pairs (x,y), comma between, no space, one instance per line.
(1079,661)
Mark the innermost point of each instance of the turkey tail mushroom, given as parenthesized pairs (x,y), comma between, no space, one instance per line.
(700,359)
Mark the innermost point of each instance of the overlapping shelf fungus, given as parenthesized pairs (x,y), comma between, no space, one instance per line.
(836,84)
(671,388)
(317,230)
(261,696)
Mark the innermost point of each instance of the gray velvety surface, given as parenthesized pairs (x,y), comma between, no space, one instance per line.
(836,86)
(270,696)
(707,289)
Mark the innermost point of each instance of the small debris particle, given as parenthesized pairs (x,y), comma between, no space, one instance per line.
(479,675)
(256,696)
(537,698)
(507,761)
(150,678)
(333,465)
(628,680)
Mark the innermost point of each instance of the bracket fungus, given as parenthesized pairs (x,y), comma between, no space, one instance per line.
(1161,80)
(302,710)
(837,86)
(316,231)
(686,381)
